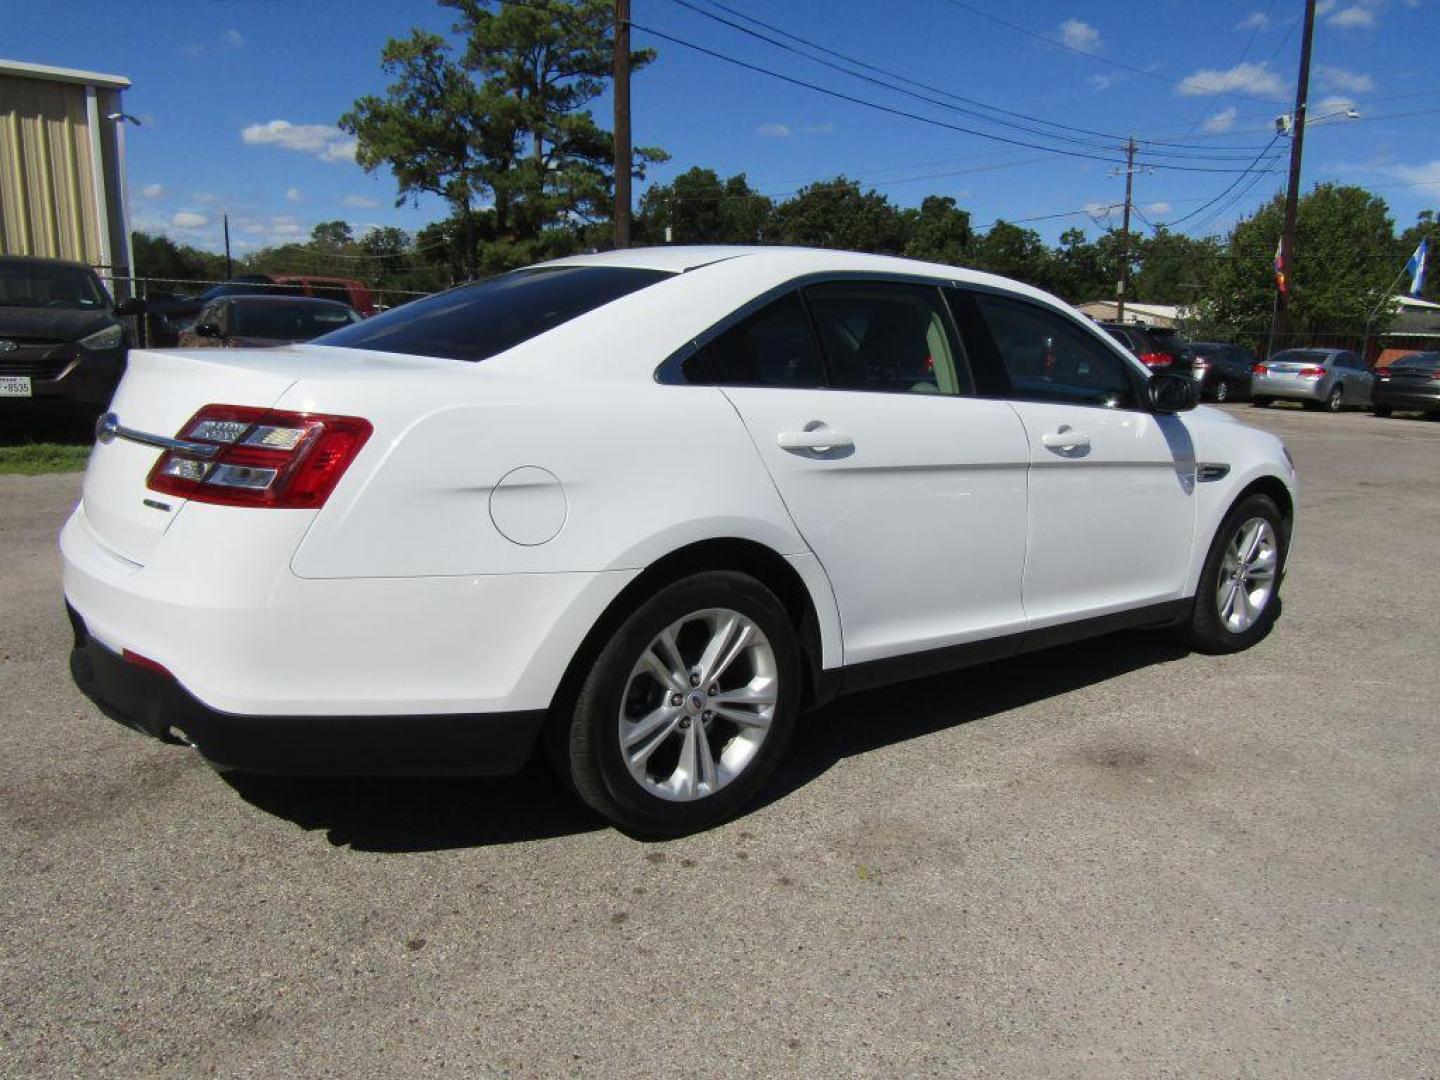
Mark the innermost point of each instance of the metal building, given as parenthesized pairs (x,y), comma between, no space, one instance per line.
(62,166)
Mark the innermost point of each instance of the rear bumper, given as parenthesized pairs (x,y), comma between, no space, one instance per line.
(453,744)
(1309,390)
(1428,400)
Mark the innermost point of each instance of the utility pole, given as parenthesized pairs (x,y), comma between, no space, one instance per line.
(1292,190)
(229,272)
(1125,232)
(622,123)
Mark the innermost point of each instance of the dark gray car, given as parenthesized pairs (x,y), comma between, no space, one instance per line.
(1331,379)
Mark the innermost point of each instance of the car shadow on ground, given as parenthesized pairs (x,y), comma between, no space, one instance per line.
(402,816)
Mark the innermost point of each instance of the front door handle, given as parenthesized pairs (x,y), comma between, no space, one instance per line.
(816,437)
(1067,438)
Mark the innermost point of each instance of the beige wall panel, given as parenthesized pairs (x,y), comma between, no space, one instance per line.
(47,202)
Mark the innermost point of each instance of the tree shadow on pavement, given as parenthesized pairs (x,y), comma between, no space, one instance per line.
(400,816)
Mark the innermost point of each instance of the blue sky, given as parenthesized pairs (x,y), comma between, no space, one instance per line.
(239,99)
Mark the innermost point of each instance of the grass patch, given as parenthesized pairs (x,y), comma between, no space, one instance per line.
(32,459)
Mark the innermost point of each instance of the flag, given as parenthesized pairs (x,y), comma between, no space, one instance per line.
(1416,267)
(1280,282)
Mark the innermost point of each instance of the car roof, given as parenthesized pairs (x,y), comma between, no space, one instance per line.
(764,260)
(39,261)
(272,298)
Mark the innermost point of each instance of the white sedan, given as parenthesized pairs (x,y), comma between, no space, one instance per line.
(642,508)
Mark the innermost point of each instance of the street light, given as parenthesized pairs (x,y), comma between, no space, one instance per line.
(1285,122)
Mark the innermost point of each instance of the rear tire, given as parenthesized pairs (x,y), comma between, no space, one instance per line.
(1260,402)
(1238,598)
(666,738)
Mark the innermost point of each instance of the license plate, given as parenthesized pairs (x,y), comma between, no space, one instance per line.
(15,386)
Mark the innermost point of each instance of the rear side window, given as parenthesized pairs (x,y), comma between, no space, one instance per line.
(478,321)
(886,337)
(772,347)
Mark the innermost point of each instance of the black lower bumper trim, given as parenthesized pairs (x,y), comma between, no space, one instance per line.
(447,744)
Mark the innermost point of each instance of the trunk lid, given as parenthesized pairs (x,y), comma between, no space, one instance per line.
(159,393)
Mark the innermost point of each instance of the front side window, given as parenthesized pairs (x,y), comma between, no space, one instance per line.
(772,347)
(477,321)
(886,337)
(288,321)
(1042,356)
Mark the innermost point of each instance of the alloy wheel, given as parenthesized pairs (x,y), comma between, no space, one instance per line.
(1222,391)
(698,704)
(1247,575)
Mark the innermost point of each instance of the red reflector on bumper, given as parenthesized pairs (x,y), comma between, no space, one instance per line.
(146,663)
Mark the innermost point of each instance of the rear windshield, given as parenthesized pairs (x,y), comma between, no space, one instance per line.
(1422,360)
(68,287)
(1299,356)
(289,322)
(478,321)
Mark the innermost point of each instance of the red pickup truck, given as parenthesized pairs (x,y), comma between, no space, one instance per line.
(331,288)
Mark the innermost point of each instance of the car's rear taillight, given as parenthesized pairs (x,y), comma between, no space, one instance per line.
(1312,373)
(261,457)
(1259,369)
(1155,359)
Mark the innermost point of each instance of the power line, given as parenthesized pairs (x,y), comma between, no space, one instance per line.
(1207,151)
(1090,55)
(1233,185)
(842,96)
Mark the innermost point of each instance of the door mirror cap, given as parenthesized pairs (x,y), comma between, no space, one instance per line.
(1172,393)
(131,306)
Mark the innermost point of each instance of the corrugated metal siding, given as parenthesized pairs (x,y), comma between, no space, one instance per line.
(47,199)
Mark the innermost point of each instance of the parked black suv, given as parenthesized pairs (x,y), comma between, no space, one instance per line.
(1221,371)
(62,344)
(1158,348)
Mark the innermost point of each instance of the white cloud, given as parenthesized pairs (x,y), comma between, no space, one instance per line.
(153,191)
(1328,110)
(1220,122)
(818,129)
(293,195)
(774,131)
(1256,20)
(1351,18)
(203,197)
(1324,7)
(233,38)
(1246,78)
(185,219)
(274,228)
(359,202)
(1343,80)
(1157,208)
(1426,173)
(1101,82)
(1080,36)
(323,141)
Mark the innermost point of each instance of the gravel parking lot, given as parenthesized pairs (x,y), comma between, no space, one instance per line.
(1110,859)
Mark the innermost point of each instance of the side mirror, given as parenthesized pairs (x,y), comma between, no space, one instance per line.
(1172,393)
(206,329)
(132,306)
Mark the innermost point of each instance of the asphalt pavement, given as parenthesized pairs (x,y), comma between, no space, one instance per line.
(1112,859)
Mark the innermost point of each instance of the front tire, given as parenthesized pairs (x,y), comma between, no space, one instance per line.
(1238,598)
(1336,401)
(687,710)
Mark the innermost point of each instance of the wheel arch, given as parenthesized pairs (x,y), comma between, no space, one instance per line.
(773,570)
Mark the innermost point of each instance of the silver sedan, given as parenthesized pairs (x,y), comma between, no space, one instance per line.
(1333,379)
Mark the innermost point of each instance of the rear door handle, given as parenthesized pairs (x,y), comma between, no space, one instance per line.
(815,437)
(1065,439)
